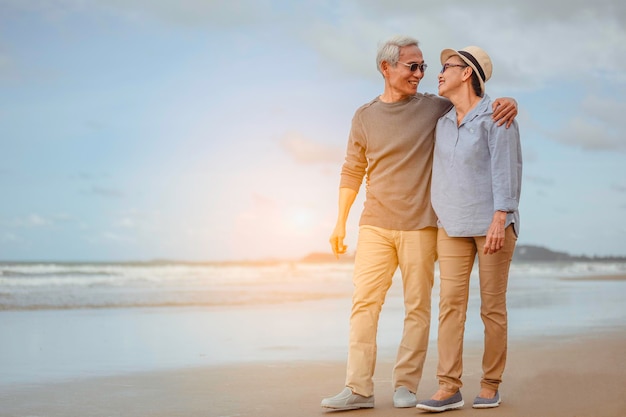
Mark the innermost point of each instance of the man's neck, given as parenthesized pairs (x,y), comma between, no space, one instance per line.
(392,97)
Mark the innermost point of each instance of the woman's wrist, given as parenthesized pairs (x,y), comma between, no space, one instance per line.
(500,216)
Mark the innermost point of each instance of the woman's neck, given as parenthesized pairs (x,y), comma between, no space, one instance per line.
(464,102)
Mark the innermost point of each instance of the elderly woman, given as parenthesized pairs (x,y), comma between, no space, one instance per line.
(476,183)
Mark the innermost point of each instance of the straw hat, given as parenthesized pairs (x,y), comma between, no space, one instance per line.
(476,58)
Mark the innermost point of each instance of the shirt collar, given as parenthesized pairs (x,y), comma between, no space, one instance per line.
(480,108)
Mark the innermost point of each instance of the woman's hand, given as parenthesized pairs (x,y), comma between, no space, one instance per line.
(495,233)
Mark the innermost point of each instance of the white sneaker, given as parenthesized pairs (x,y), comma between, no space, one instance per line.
(347,400)
(403,398)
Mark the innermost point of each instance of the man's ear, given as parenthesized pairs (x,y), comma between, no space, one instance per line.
(384,68)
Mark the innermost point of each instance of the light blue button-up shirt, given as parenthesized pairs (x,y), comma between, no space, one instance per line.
(477,170)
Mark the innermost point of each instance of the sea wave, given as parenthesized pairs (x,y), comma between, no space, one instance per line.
(68,286)
(74,286)
(569,269)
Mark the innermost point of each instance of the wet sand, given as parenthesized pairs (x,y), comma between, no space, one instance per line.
(581,376)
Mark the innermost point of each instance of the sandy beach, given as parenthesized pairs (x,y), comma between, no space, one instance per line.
(580,376)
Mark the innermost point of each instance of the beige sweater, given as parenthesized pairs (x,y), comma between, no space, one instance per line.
(393,143)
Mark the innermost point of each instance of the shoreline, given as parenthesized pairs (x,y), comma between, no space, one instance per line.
(616,277)
(580,376)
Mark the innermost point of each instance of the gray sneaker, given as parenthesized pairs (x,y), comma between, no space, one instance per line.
(437,406)
(347,400)
(480,402)
(403,398)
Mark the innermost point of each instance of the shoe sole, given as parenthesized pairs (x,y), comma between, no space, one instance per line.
(348,407)
(441,409)
(494,405)
(405,405)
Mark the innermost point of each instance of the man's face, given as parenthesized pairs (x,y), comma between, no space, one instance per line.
(401,80)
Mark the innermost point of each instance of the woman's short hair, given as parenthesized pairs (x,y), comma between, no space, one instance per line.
(476,83)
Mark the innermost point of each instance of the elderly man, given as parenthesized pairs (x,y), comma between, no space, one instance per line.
(391,141)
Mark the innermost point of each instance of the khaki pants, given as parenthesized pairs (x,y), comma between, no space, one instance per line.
(456,259)
(378,255)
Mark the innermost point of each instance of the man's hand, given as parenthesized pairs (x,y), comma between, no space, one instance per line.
(346,198)
(504,111)
(336,240)
(495,234)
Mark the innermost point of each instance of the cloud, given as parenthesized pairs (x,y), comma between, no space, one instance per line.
(195,13)
(140,221)
(33,220)
(591,135)
(620,188)
(604,109)
(116,238)
(531,155)
(530,43)
(56,10)
(7,69)
(307,151)
(10,238)
(38,221)
(106,192)
(127,223)
(594,126)
(96,126)
(531,9)
(87,176)
(180,12)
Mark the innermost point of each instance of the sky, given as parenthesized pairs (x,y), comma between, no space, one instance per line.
(197,130)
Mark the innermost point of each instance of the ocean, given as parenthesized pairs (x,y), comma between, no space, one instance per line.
(74,320)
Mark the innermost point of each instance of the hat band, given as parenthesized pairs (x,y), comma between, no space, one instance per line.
(476,64)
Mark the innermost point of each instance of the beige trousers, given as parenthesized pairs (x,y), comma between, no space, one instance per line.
(378,255)
(456,259)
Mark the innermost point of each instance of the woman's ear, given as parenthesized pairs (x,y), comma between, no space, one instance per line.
(467,73)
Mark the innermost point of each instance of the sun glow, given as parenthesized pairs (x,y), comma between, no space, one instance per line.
(270,229)
(300,220)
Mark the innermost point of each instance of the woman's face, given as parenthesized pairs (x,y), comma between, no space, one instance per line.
(451,75)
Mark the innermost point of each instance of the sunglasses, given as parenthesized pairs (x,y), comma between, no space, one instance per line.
(446,66)
(413,66)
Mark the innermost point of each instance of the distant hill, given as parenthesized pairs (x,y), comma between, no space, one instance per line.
(523,253)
